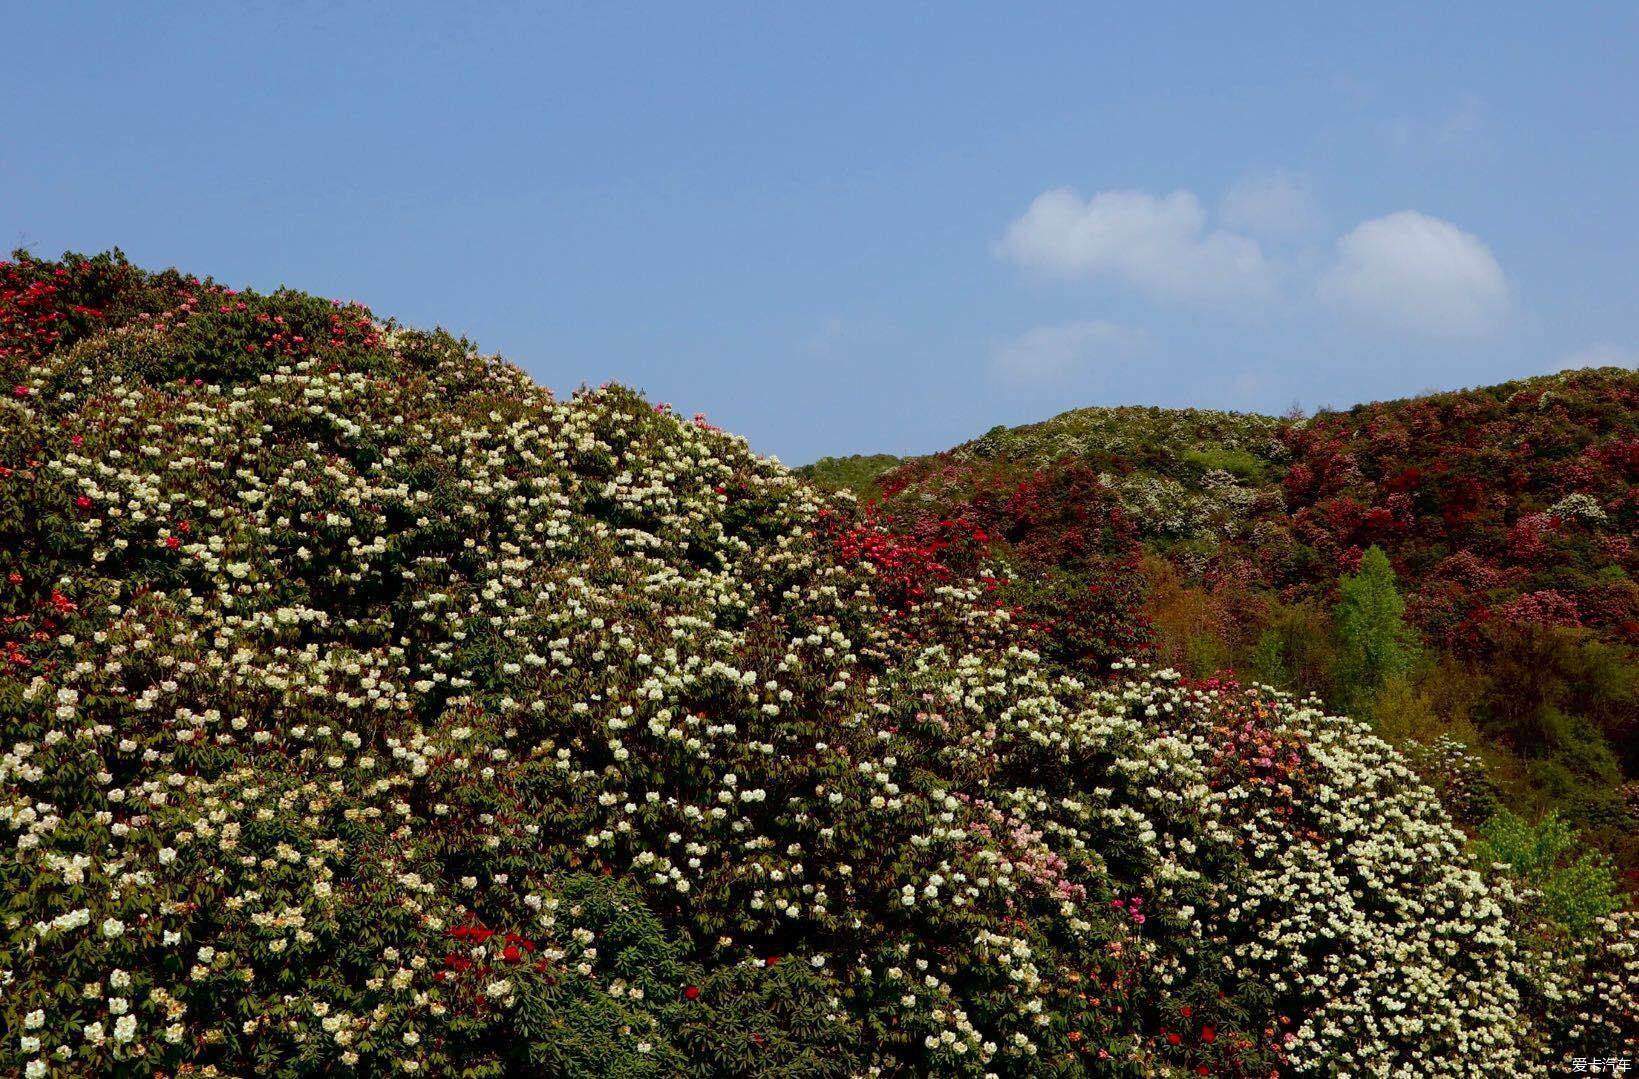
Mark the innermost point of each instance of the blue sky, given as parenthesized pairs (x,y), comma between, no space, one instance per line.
(839,228)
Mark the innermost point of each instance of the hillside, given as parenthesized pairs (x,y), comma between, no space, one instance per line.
(367,708)
(1507,514)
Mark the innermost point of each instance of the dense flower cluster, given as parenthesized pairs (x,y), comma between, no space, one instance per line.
(1520,494)
(1062,549)
(1459,776)
(364,706)
(1532,484)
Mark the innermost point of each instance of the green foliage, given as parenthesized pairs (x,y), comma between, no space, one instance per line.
(857,473)
(1552,672)
(1577,885)
(1268,663)
(1237,462)
(1295,647)
(1401,712)
(1377,644)
(1177,442)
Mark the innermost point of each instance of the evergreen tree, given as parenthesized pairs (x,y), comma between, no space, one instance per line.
(1371,626)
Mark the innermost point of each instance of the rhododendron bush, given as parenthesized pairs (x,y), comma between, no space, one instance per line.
(366,707)
(1506,514)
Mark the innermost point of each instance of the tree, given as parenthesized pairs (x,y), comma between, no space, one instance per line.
(1371,626)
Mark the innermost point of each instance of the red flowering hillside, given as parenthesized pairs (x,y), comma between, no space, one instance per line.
(1515,503)
(1507,514)
(1060,554)
(365,708)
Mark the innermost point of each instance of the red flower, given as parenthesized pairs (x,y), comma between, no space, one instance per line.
(511,953)
(172,542)
(1209,1033)
(83,502)
(691,992)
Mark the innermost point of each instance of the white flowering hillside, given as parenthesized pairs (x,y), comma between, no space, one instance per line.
(364,707)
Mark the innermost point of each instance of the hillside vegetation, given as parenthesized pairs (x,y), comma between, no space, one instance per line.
(365,707)
(1507,517)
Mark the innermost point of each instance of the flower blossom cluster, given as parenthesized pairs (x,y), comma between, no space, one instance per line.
(366,707)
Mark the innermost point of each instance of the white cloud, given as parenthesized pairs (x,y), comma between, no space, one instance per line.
(1159,244)
(1419,274)
(1600,355)
(1048,353)
(1277,205)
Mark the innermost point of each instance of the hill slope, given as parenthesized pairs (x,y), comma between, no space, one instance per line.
(1507,514)
(365,707)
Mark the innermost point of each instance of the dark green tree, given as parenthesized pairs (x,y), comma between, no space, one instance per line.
(1377,644)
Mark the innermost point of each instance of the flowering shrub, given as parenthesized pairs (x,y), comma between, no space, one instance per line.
(1458,776)
(1526,479)
(1506,514)
(364,707)
(1059,550)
